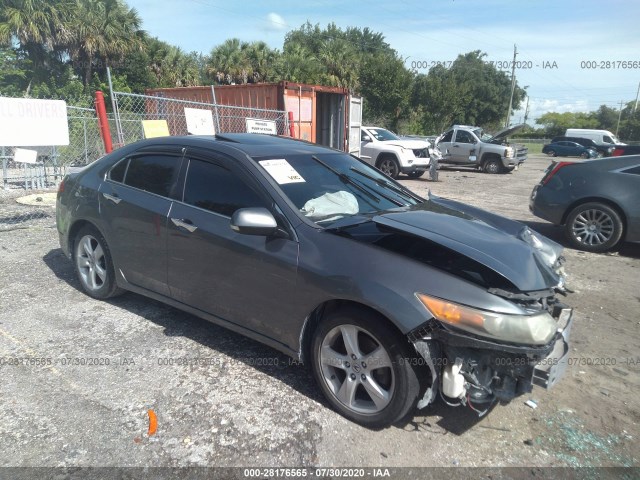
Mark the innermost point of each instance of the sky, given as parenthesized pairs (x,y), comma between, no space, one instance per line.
(570,53)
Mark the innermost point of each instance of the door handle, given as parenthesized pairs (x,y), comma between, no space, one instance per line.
(114,198)
(186,224)
(456,146)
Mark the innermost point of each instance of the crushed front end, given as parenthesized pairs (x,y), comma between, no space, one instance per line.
(469,368)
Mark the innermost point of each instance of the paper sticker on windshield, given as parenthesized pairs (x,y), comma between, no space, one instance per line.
(281,171)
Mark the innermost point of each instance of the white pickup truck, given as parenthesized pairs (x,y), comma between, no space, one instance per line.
(393,155)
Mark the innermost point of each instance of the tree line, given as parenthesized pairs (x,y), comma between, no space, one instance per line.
(61,49)
(626,122)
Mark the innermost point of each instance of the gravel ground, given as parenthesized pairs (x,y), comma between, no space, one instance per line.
(89,371)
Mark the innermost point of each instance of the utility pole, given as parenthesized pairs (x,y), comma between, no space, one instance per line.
(619,115)
(513,85)
(526,111)
(636,105)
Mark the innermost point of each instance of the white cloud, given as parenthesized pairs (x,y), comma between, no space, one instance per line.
(540,106)
(276,22)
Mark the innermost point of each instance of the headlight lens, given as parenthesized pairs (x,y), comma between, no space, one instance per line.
(536,329)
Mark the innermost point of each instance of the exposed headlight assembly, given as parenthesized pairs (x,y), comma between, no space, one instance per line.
(536,329)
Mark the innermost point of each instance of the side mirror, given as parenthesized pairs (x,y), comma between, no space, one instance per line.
(254,221)
(366,138)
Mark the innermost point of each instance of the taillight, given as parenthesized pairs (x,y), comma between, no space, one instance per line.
(61,186)
(554,170)
(617,152)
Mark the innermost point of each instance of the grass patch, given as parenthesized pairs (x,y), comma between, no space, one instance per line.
(534,147)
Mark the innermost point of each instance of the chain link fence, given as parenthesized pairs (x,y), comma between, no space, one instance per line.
(27,190)
(131,109)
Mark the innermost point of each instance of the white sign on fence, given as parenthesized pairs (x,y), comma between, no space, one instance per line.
(199,121)
(22,155)
(29,122)
(267,127)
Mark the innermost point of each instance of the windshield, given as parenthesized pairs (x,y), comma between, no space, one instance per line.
(328,187)
(381,134)
(481,135)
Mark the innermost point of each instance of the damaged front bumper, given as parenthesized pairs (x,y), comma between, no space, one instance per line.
(469,370)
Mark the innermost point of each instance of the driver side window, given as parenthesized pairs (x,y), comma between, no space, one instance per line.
(464,137)
(447,137)
(215,188)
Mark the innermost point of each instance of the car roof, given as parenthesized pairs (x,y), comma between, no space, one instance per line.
(610,163)
(252,144)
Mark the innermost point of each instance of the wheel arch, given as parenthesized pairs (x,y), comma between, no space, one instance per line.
(78,225)
(606,201)
(386,154)
(487,156)
(326,308)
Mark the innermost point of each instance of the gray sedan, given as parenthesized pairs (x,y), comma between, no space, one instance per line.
(597,201)
(393,299)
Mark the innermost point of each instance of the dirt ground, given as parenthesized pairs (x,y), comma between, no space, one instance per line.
(78,376)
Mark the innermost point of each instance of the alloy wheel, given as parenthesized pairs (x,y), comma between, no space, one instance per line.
(91,262)
(593,227)
(357,369)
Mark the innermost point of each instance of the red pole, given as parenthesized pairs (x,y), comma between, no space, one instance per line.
(103,123)
(292,127)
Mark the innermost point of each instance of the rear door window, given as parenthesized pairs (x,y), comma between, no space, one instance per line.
(153,173)
(117,173)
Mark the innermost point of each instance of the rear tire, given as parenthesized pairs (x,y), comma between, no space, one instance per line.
(594,227)
(93,264)
(364,368)
(389,166)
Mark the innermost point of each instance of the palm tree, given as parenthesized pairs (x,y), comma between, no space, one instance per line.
(297,64)
(229,62)
(261,59)
(101,29)
(341,63)
(37,26)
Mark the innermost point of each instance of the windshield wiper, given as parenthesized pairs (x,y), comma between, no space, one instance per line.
(380,181)
(344,178)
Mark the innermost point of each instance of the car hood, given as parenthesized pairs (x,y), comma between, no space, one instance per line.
(411,144)
(506,132)
(525,258)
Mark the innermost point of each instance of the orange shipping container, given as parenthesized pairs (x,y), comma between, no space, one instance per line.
(320,114)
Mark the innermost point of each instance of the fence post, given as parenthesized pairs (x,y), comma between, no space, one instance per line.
(105,133)
(86,146)
(215,108)
(5,180)
(56,170)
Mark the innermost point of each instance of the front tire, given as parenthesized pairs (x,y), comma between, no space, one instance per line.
(363,368)
(416,174)
(389,166)
(552,153)
(492,166)
(93,265)
(594,227)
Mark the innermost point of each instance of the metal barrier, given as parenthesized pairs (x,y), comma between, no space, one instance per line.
(131,109)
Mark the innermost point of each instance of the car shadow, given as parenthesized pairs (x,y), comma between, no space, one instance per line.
(239,348)
(556,233)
